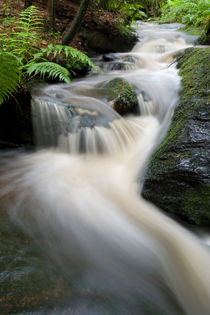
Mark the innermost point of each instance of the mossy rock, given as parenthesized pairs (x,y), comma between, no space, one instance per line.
(178,177)
(199,31)
(123,97)
(106,40)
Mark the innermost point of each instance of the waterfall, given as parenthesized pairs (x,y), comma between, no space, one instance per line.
(79,197)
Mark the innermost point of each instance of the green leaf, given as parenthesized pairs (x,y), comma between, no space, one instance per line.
(10,75)
(49,69)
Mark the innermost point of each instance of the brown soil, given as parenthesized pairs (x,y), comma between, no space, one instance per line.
(95,19)
(15,121)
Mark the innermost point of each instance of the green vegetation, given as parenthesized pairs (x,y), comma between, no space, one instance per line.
(195,12)
(21,55)
(131,10)
(195,205)
(181,161)
(10,74)
(122,95)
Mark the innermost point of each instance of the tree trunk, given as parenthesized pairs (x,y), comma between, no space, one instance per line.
(28,3)
(51,4)
(77,21)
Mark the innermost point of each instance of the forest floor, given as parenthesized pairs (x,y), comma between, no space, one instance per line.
(65,12)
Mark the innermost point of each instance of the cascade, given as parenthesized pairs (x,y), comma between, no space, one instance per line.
(78,195)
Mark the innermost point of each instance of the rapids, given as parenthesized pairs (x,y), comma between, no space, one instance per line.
(78,195)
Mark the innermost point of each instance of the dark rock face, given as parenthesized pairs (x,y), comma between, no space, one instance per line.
(123,97)
(105,40)
(15,121)
(178,178)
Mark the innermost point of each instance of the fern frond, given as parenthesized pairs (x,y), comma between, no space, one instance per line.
(49,69)
(38,56)
(75,58)
(24,37)
(30,20)
(10,75)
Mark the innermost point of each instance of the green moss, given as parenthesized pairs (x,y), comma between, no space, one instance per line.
(126,101)
(199,31)
(194,66)
(194,71)
(124,97)
(180,164)
(196,205)
(114,87)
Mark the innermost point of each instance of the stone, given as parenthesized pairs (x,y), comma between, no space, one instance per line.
(122,96)
(109,57)
(105,41)
(178,177)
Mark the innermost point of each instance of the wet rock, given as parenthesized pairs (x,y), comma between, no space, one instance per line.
(110,57)
(117,66)
(122,96)
(178,178)
(112,62)
(15,121)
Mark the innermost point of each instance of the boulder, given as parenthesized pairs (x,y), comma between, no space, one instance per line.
(100,42)
(178,177)
(104,35)
(122,97)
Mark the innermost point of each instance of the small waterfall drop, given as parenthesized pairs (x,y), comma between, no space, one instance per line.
(78,196)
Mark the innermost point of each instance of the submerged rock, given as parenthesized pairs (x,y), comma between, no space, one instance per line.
(110,57)
(178,178)
(122,96)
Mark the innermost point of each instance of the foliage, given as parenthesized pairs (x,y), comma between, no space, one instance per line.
(10,74)
(75,58)
(20,55)
(50,69)
(110,5)
(188,12)
(133,11)
(6,10)
(153,7)
(25,34)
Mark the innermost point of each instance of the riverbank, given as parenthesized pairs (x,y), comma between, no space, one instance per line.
(101,32)
(178,179)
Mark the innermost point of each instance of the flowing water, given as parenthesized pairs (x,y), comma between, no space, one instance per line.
(78,195)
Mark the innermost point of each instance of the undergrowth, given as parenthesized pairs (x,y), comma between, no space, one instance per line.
(195,12)
(21,57)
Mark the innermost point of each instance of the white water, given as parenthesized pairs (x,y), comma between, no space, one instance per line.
(80,198)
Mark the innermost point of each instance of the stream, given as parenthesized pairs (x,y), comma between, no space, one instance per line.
(76,236)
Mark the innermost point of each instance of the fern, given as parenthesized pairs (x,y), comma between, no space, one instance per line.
(192,13)
(20,56)
(110,5)
(30,20)
(75,58)
(24,36)
(50,69)
(10,75)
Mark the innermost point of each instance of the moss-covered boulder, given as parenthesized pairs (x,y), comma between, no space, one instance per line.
(178,178)
(200,33)
(101,41)
(103,34)
(122,96)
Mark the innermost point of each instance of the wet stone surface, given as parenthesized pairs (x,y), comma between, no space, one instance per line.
(178,178)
